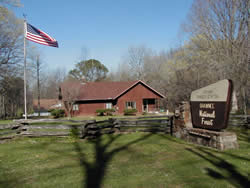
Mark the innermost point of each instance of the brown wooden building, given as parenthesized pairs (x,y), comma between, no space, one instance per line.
(118,95)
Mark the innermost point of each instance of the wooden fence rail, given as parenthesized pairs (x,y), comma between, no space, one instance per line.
(93,128)
(239,120)
(88,128)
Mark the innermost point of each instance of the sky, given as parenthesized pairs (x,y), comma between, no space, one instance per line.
(106,28)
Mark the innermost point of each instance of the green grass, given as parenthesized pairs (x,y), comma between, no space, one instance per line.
(55,123)
(97,118)
(130,160)
(5,122)
(102,118)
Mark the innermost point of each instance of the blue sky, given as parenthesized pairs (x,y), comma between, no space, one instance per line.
(107,28)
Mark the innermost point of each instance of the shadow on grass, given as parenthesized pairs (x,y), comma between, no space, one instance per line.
(93,170)
(227,171)
(96,170)
(244,135)
(6,180)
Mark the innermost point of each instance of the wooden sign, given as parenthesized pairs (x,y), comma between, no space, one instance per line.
(210,105)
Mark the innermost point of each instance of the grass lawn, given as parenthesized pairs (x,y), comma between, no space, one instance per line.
(102,118)
(5,121)
(130,160)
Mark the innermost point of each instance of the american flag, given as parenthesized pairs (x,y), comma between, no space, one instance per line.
(38,36)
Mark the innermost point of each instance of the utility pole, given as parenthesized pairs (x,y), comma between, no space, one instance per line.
(38,84)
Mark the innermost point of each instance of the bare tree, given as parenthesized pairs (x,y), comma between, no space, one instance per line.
(69,93)
(15,3)
(38,70)
(121,74)
(10,40)
(11,53)
(35,65)
(11,98)
(135,59)
(50,80)
(222,26)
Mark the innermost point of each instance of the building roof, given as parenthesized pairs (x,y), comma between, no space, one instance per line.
(103,90)
(45,104)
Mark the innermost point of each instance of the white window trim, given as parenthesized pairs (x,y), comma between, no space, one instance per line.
(130,104)
(75,107)
(108,105)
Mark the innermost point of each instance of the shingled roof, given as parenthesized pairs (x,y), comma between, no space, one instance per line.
(45,104)
(104,90)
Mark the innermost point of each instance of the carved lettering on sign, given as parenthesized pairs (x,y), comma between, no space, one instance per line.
(207,114)
(207,105)
(206,122)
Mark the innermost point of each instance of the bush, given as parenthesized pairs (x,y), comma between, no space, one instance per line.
(109,112)
(57,113)
(128,112)
(100,112)
(105,112)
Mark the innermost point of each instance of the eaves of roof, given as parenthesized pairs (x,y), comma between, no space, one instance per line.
(139,81)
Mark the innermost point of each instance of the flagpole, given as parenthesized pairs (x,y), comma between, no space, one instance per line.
(24,74)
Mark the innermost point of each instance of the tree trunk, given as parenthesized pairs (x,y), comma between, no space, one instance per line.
(1,106)
(4,108)
(244,100)
(248,35)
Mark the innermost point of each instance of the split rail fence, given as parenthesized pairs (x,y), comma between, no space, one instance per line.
(87,128)
(239,120)
(93,128)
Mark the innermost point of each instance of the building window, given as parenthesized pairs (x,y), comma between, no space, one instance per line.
(130,105)
(108,105)
(75,107)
